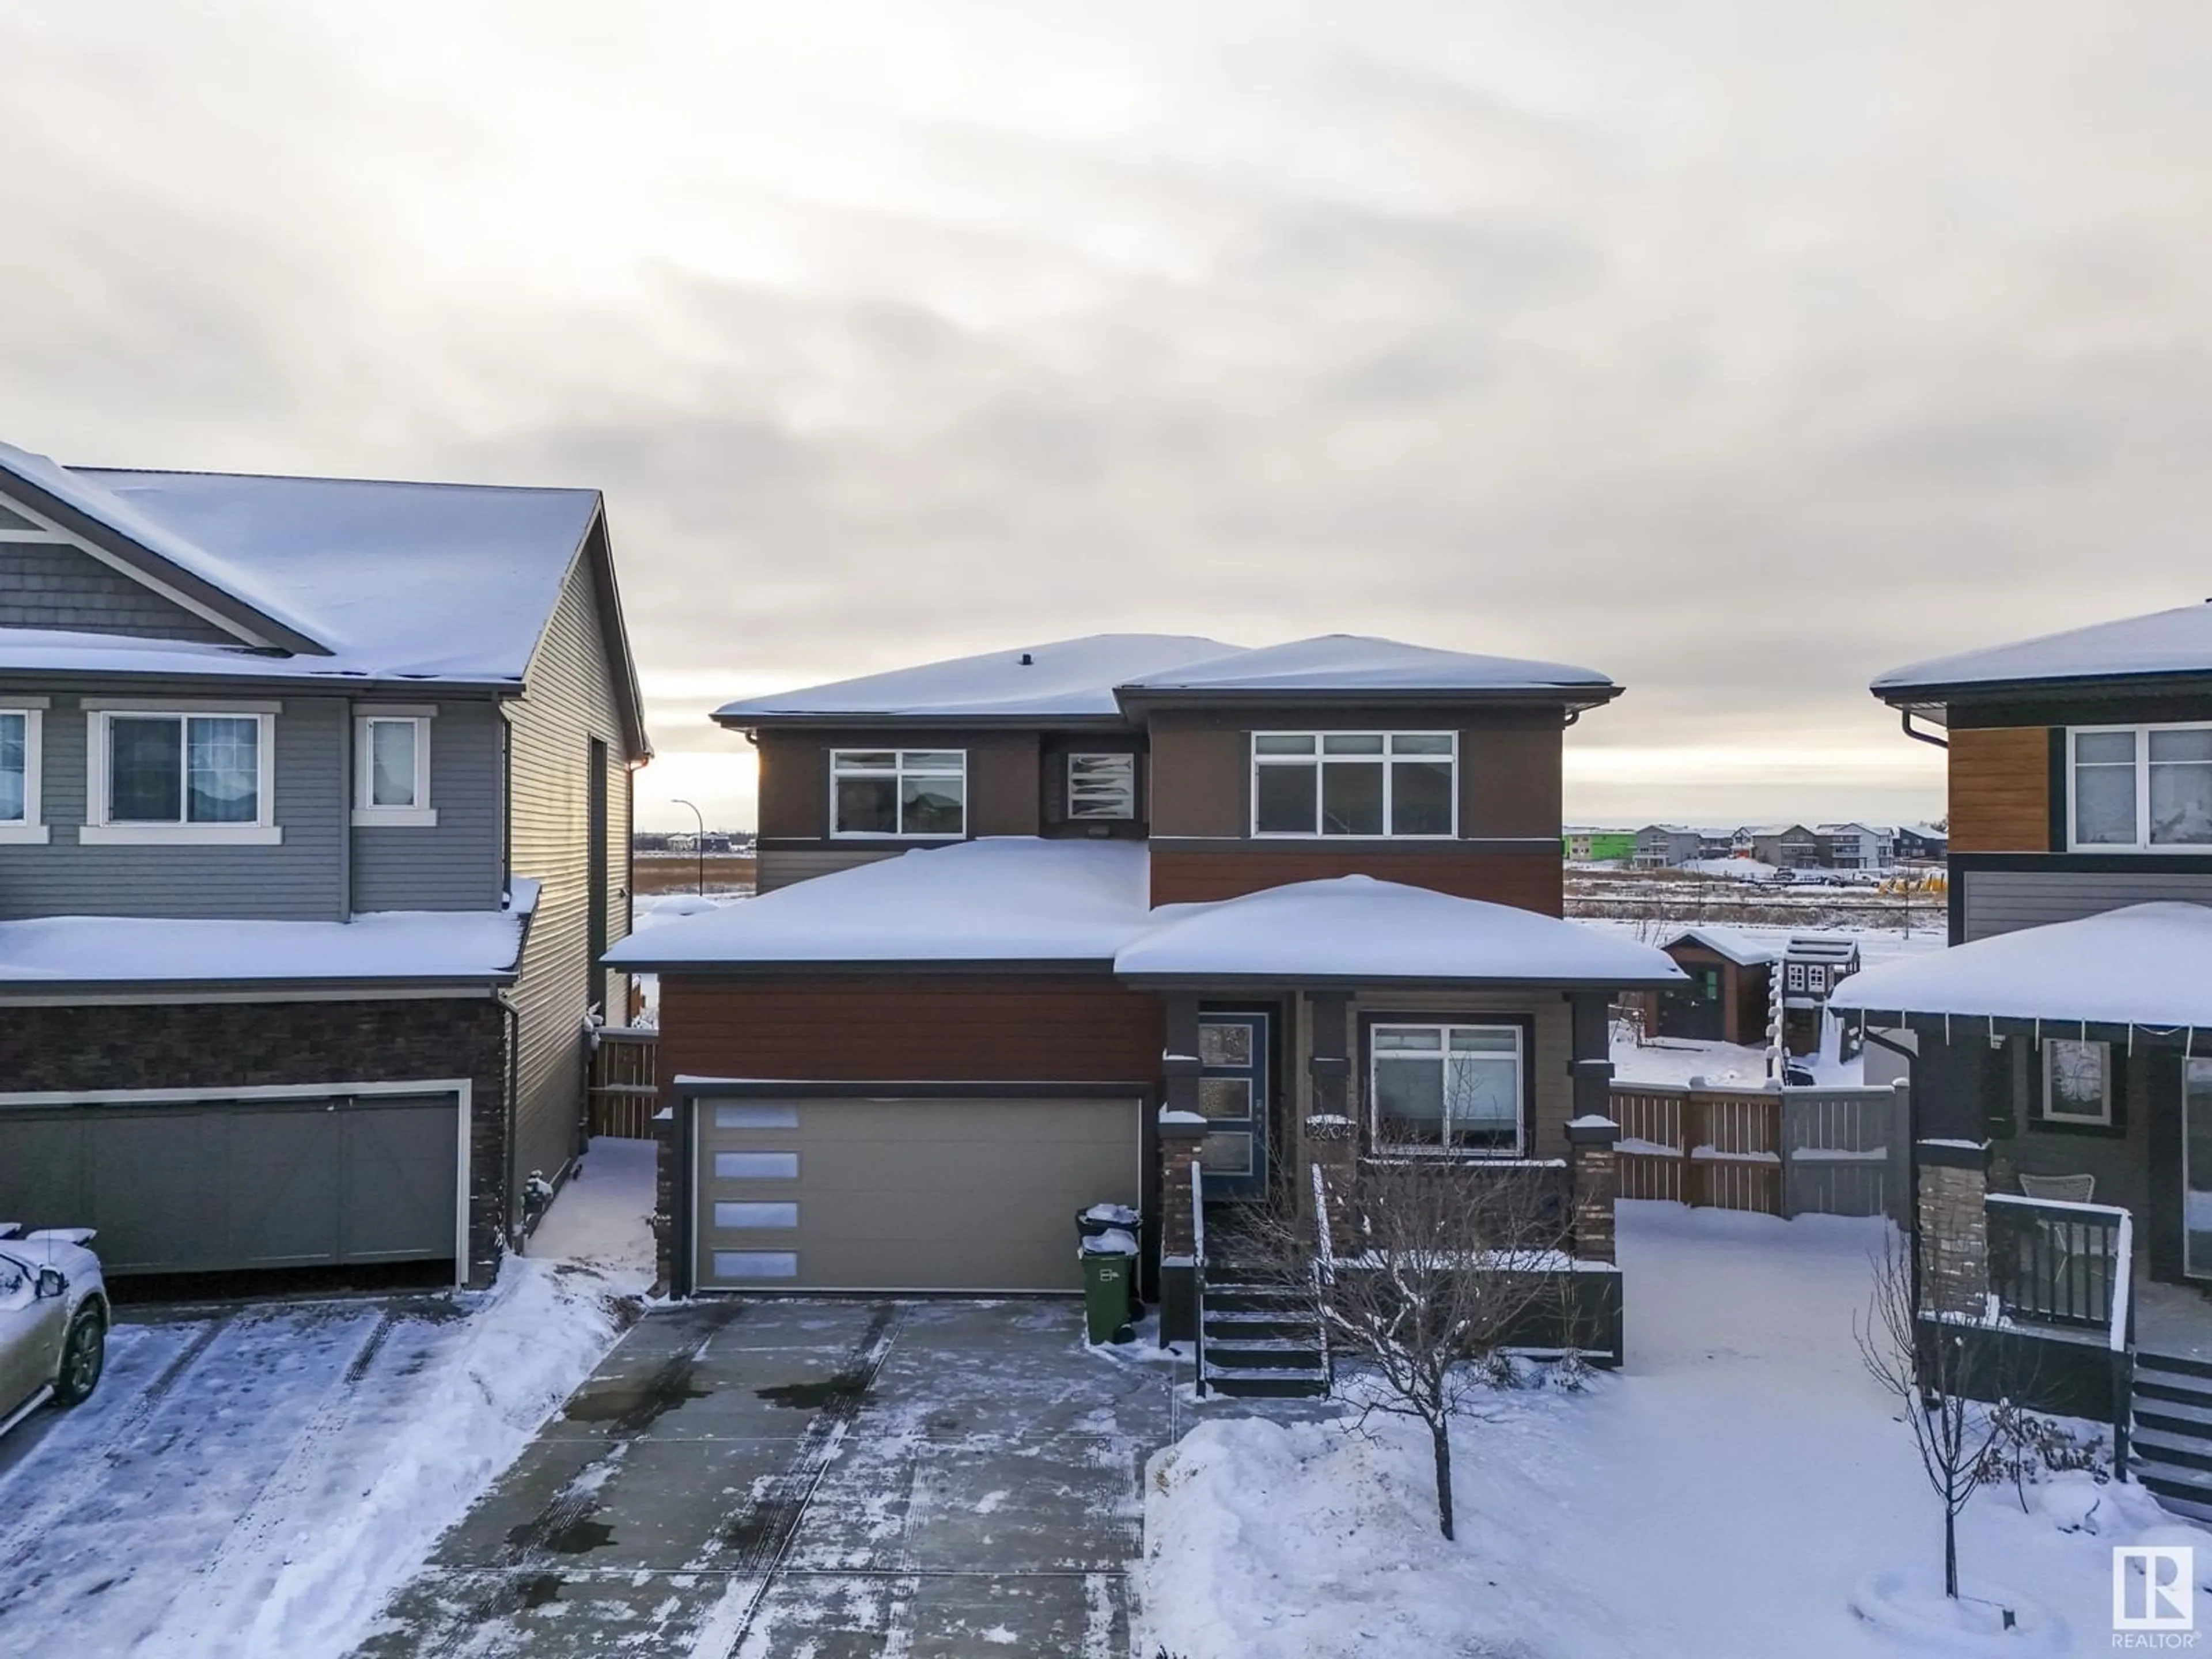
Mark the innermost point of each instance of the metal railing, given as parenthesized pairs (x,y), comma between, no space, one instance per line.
(1324,1273)
(2058,1263)
(1198,1274)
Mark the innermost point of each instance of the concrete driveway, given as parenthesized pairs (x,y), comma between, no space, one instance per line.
(829,1479)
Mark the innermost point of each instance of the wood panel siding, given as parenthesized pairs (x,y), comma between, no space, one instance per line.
(1003,793)
(1509,777)
(956,1029)
(52,585)
(571,700)
(2001,789)
(1533,880)
(454,864)
(1199,782)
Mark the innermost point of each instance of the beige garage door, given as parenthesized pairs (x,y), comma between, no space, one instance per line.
(926,1194)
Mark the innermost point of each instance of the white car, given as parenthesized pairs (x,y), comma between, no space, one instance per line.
(53,1319)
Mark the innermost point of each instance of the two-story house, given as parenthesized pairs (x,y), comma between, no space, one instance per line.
(1667,846)
(2060,1053)
(1040,927)
(1856,847)
(315,813)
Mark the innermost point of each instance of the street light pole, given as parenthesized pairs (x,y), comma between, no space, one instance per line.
(699,846)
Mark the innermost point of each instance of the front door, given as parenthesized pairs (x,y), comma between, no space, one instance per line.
(1694,1009)
(1232,1094)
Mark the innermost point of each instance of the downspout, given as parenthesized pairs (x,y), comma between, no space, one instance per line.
(1904,719)
(345,811)
(1868,1034)
(514,1069)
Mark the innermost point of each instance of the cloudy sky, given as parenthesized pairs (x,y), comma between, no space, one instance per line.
(1741,350)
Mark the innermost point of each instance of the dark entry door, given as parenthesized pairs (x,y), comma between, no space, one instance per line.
(1232,1094)
(1694,1009)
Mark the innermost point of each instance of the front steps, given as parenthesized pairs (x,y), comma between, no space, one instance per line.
(1262,1341)
(2172,1440)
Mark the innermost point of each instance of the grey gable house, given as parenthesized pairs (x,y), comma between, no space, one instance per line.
(314,825)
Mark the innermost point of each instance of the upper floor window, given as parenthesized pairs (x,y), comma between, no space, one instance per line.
(1355,783)
(19,774)
(1102,787)
(898,792)
(2140,786)
(1446,1088)
(157,775)
(392,769)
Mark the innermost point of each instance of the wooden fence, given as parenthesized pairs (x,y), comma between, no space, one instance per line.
(1773,1152)
(620,1085)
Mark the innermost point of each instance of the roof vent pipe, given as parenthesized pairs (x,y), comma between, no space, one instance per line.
(1028,661)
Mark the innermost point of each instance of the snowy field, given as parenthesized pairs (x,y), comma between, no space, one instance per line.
(1725,1497)
(251,1480)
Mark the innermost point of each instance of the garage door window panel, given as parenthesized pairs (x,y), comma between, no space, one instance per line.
(756,1166)
(756,1264)
(750,1214)
(731,1114)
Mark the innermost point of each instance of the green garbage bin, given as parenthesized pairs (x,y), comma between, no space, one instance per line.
(1109,1261)
(1102,1219)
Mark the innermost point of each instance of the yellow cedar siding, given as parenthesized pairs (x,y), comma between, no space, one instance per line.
(2000,789)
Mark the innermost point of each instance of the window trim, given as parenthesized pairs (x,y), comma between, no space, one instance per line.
(1255,760)
(1524,1127)
(898,773)
(365,813)
(100,830)
(30,829)
(2046,1118)
(2142,842)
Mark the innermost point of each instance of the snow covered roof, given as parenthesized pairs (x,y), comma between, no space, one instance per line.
(2145,964)
(1335,663)
(1739,948)
(1067,679)
(52,953)
(1358,928)
(1003,900)
(2164,642)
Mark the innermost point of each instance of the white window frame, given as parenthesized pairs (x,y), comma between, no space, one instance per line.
(99,831)
(2142,842)
(1444,1028)
(897,773)
(1074,817)
(2100,1120)
(31,829)
(421,814)
(1383,760)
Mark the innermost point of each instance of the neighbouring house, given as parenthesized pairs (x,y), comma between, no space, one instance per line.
(1724,996)
(1667,846)
(1813,966)
(2062,1092)
(1921,843)
(315,823)
(1046,927)
(1784,846)
(1600,846)
(1717,844)
(1856,847)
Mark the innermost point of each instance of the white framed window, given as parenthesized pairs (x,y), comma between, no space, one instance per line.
(1401,785)
(1794,976)
(392,767)
(2077,1082)
(21,766)
(2139,788)
(913,793)
(1101,787)
(164,773)
(1445,1088)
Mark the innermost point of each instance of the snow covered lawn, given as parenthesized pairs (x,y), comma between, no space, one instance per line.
(1726,1495)
(253,1479)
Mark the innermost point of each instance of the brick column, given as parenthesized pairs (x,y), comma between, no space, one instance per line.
(1954,1234)
(1594,1179)
(1333,1143)
(1180,1135)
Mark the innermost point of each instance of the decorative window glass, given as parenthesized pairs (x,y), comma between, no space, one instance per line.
(2077,1082)
(2142,788)
(917,793)
(1355,783)
(184,769)
(1102,787)
(1225,1043)
(1446,1088)
(14,766)
(1225,1098)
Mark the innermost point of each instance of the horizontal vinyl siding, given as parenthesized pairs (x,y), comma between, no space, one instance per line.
(2005,901)
(51,585)
(570,700)
(781,868)
(454,864)
(301,879)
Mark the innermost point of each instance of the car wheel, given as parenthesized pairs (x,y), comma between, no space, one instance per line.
(83,1357)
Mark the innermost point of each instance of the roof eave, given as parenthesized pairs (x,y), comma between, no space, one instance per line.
(1143,980)
(1135,698)
(25,990)
(848,967)
(1936,694)
(862,719)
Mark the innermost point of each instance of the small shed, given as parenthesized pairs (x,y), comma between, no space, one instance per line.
(1726,999)
(1813,965)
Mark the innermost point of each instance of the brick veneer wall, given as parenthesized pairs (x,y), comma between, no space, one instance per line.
(248,1045)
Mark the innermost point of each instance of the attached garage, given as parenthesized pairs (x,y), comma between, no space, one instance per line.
(259,1179)
(947,1189)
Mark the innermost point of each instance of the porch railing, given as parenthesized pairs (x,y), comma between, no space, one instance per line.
(1324,1271)
(2056,1263)
(1198,1276)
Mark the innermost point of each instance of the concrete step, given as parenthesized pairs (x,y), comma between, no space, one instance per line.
(1233,1323)
(2187,1417)
(2172,1388)
(1231,1299)
(1267,1384)
(2174,1365)
(2162,1449)
(1304,1356)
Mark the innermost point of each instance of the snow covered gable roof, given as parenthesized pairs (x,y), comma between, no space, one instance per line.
(2148,966)
(1739,948)
(2162,645)
(1337,663)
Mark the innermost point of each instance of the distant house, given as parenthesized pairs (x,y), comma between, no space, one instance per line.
(1856,847)
(1813,965)
(1726,998)
(1784,846)
(1921,843)
(1600,846)
(1666,846)
(1715,844)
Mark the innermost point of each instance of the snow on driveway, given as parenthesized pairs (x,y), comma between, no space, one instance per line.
(1721,1497)
(252,1479)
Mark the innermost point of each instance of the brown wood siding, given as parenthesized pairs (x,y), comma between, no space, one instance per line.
(2001,789)
(1003,792)
(966,1029)
(1530,881)
(1508,779)
(571,700)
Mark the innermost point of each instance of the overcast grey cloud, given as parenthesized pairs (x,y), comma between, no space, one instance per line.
(1739,350)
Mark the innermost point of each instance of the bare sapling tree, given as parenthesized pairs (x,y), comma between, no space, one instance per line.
(1939,1373)
(1446,1265)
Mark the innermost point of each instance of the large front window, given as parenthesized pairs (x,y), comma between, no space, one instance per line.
(1355,783)
(898,792)
(1446,1088)
(2140,786)
(180,776)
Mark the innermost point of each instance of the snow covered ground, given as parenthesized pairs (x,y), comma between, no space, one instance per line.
(1727,1494)
(253,1479)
